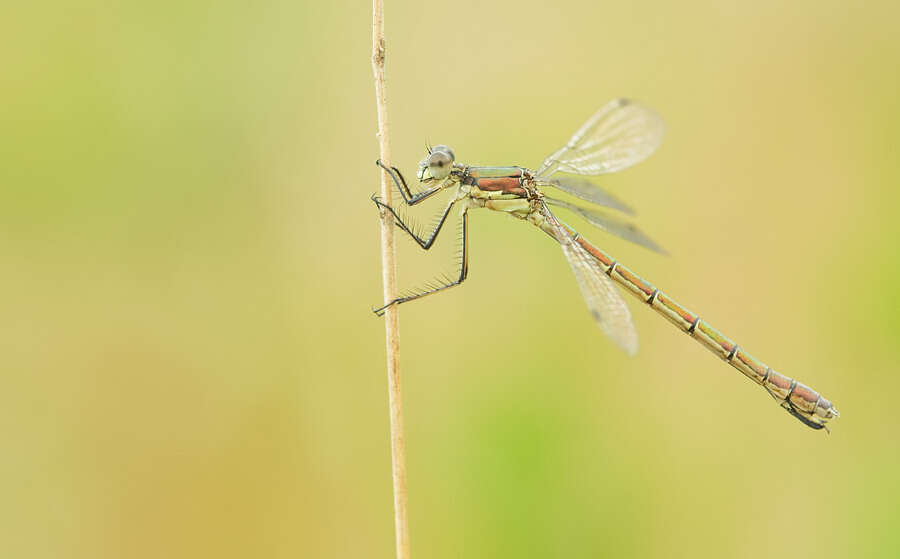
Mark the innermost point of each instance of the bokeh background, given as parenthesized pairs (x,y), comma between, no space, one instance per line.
(188,258)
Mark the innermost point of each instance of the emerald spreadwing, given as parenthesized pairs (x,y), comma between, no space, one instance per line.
(619,135)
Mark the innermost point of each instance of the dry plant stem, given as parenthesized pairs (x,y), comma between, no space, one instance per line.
(389,276)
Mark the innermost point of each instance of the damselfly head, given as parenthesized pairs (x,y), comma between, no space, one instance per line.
(437,165)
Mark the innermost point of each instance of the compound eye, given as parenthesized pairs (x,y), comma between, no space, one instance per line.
(439,163)
(443,148)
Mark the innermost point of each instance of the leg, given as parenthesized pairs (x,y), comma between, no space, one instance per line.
(424,242)
(405,192)
(463,271)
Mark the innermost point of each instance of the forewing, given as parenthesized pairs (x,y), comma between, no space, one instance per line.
(617,136)
(611,224)
(587,191)
(604,302)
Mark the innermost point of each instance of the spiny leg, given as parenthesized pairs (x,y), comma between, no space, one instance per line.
(463,271)
(424,242)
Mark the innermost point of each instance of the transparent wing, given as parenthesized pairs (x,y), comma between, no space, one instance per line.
(599,291)
(610,224)
(587,191)
(617,136)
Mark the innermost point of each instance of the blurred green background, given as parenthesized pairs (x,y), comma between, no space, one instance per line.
(188,256)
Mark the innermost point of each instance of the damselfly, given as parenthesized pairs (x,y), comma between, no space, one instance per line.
(617,136)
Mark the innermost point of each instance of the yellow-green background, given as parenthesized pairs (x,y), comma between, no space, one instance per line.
(188,257)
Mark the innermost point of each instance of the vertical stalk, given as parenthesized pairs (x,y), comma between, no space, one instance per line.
(389,277)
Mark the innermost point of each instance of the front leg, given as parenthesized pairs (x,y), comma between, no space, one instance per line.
(405,192)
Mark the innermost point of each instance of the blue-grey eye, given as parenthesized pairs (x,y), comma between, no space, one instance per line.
(445,149)
(440,161)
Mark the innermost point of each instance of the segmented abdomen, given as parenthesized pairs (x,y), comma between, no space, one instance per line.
(799,400)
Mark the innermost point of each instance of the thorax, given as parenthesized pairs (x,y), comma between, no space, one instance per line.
(496,183)
(505,189)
